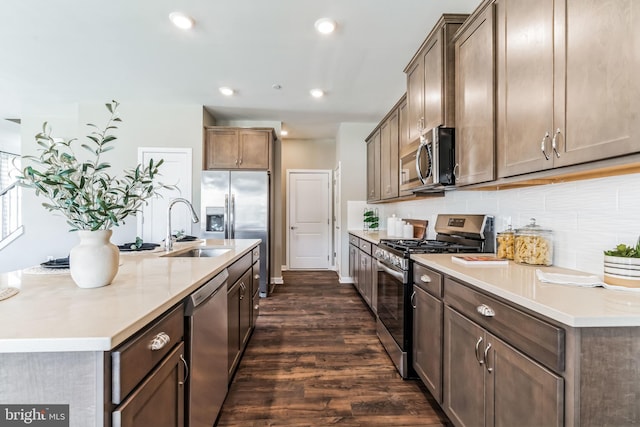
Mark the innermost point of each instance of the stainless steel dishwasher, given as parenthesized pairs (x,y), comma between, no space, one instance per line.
(206,312)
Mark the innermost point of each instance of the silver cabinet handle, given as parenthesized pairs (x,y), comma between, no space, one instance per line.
(159,341)
(256,277)
(186,371)
(413,304)
(554,143)
(543,145)
(243,289)
(426,279)
(485,310)
(256,307)
(486,358)
(456,169)
(480,361)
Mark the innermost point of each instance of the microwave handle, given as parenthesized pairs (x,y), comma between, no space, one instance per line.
(425,148)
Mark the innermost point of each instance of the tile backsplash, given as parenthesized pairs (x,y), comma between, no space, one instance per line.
(587,217)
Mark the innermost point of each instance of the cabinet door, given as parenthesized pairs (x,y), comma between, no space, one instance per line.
(389,160)
(367,280)
(463,382)
(254,149)
(255,280)
(245,300)
(520,391)
(427,340)
(373,275)
(233,313)
(221,149)
(598,73)
(475,106)
(353,264)
(415,99)
(159,400)
(525,85)
(433,83)
(403,128)
(373,167)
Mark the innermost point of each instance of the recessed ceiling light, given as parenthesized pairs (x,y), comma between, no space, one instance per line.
(276,86)
(317,93)
(325,25)
(181,20)
(284,132)
(226,91)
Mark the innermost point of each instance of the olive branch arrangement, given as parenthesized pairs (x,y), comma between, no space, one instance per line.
(83,191)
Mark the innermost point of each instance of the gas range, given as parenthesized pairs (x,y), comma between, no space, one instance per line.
(455,234)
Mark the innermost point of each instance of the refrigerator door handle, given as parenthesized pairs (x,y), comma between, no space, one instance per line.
(226,216)
(233,216)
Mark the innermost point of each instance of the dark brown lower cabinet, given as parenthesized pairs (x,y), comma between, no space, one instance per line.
(239,302)
(489,383)
(159,400)
(427,340)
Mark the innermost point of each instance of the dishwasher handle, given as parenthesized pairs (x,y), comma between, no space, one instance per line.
(205,292)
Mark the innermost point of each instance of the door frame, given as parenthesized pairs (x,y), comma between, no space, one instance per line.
(337,218)
(329,174)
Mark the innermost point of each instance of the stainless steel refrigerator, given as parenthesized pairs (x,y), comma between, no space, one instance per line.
(236,205)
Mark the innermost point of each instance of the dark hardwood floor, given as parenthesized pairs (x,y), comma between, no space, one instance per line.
(314,360)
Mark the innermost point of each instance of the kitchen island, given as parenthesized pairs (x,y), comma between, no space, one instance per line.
(56,338)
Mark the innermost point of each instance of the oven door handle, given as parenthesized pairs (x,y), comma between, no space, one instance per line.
(395,274)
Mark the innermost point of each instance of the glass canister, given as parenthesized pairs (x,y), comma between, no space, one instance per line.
(505,243)
(533,245)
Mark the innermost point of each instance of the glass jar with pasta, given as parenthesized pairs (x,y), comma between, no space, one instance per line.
(505,243)
(533,245)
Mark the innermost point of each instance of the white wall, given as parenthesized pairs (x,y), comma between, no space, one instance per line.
(142,126)
(587,217)
(351,151)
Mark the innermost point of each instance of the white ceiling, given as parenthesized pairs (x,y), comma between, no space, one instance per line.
(77,51)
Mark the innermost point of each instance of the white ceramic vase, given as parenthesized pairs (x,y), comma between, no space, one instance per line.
(94,261)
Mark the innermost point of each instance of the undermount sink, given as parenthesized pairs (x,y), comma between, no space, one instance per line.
(199,252)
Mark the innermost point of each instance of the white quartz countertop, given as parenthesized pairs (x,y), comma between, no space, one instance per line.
(52,314)
(571,305)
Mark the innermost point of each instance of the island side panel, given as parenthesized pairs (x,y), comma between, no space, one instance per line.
(610,376)
(73,378)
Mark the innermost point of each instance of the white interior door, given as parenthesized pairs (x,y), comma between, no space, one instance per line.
(309,208)
(176,170)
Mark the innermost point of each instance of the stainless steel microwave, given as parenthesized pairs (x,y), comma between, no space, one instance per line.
(428,167)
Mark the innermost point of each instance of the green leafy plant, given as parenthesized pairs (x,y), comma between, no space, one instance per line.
(625,251)
(83,191)
(371,219)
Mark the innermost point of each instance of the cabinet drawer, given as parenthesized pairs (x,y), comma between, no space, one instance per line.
(354,240)
(427,280)
(134,359)
(542,341)
(365,246)
(160,398)
(237,269)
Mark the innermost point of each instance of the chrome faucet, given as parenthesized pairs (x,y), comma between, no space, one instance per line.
(168,241)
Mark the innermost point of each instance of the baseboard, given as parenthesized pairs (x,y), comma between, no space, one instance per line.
(345,279)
